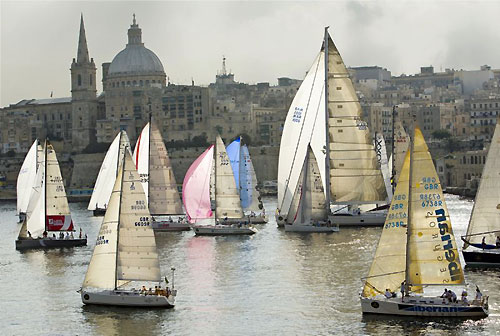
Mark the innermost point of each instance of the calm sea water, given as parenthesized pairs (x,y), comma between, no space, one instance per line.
(272,283)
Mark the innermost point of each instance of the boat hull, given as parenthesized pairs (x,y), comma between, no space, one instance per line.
(310,228)
(223,230)
(249,219)
(425,306)
(126,299)
(482,258)
(363,219)
(47,243)
(167,226)
(99,212)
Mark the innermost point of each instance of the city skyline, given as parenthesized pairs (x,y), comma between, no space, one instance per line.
(262,41)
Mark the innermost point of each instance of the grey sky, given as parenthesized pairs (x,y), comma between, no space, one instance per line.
(262,41)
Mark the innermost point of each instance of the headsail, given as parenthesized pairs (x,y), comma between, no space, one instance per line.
(304,124)
(354,172)
(485,218)
(196,186)
(27,177)
(233,151)
(108,172)
(383,163)
(388,267)
(35,213)
(227,196)
(433,257)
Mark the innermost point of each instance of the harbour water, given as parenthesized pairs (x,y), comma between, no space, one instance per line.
(272,283)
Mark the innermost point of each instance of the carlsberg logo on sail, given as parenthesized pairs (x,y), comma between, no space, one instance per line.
(449,254)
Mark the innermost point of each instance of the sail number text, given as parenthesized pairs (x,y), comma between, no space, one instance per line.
(297,114)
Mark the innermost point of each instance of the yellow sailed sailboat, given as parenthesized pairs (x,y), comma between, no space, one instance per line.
(417,253)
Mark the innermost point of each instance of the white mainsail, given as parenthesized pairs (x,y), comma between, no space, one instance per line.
(126,248)
(227,196)
(485,218)
(355,176)
(312,205)
(157,176)
(250,197)
(304,125)
(108,172)
(27,177)
(384,163)
(417,242)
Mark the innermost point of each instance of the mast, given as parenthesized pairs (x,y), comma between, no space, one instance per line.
(215,181)
(409,224)
(118,224)
(393,173)
(327,138)
(45,187)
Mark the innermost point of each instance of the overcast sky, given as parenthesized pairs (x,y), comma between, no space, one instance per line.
(261,40)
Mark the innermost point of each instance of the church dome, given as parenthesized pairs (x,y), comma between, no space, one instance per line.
(135,59)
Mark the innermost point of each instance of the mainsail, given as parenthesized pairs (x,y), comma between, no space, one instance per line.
(383,163)
(249,195)
(419,248)
(304,125)
(355,176)
(196,186)
(108,172)
(27,176)
(155,169)
(227,198)
(312,204)
(126,248)
(485,218)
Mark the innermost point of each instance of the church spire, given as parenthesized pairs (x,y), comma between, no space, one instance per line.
(83,51)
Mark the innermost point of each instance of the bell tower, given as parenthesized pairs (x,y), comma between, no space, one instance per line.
(83,95)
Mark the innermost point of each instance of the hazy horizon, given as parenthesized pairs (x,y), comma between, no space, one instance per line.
(261,41)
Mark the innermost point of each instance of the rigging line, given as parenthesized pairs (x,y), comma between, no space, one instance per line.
(300,133)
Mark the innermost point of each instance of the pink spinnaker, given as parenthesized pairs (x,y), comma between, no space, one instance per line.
(196,187)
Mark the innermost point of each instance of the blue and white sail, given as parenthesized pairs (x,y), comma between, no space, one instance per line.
(233,151)
(249,195)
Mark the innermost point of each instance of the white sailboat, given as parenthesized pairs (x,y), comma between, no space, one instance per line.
(246,182)
(48,211)
(482,240)
(340,140)
(196,194)
(311,214)
(158,180)
(417,251)
(107,174)
(125,256)
(27,178)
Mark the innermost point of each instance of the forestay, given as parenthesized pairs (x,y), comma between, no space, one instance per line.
(433,257)
(485,218)
(27,177)
(226,195)
(354,171)
(196,186)
(108,172)
(304,124)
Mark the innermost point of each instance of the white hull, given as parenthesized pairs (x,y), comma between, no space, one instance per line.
(422,306)
(362,219)
(165,225)
(127,298)
(310,228)
(223,230)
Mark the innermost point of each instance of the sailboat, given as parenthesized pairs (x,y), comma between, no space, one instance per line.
(211,173)
(340,140)
(311,214)
(27,178)
(48,211)
(246,182)
(158,180)
(417,251)
(107,174)
(125,255)
(482,240)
